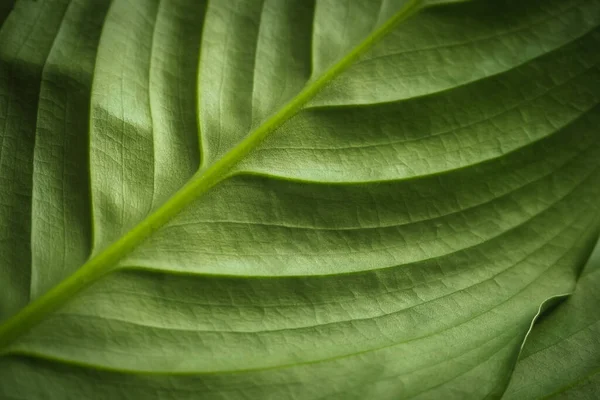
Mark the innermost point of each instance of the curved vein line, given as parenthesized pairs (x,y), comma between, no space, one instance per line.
(488,119)
(510,192)
(520,29)
(438,172)
(439,91)
(383,248)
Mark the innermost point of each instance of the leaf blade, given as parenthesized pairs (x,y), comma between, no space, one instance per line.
(364,288)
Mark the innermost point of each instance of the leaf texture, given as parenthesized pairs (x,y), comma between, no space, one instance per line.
(561,356)
(267,199)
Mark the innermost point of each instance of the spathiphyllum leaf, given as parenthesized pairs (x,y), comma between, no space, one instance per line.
(299,199)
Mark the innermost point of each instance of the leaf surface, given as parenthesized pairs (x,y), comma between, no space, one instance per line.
(561,358)
(291,199)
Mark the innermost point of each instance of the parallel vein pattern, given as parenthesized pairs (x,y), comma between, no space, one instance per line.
(295,199)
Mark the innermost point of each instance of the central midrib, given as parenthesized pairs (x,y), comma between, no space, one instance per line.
(106,261)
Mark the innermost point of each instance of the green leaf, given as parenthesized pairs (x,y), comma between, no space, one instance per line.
(561,357)
(269,199)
